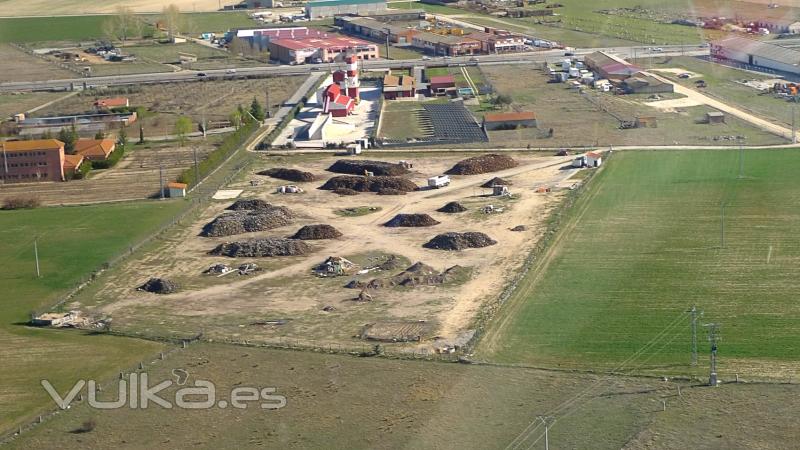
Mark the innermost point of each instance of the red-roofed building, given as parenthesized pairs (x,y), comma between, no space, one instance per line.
(321,48)
(509,121)
(108,103)
(28,161)
(340,97)
(441,84)
(95,149)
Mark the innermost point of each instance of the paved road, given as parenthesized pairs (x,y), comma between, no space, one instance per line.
(276,70)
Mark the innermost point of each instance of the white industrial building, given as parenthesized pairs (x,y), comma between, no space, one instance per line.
(757,53)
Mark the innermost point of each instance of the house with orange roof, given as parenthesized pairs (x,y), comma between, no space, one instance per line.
(108,103)
(31,161)
(95,149)
(71,164)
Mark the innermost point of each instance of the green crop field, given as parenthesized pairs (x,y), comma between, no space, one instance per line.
(642,244)
(33,29)
(72,242)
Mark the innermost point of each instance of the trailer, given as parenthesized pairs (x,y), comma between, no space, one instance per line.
(438,181)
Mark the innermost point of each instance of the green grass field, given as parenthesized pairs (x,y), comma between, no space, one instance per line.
(73,241)
(643,244)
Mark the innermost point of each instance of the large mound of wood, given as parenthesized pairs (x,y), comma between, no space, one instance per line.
(483,164)
(319,231)
(369,184)
(411,220)
(238,222)
(359,166)
(283,173)
(262,248)
(250,204)
(459,241)
(159,286)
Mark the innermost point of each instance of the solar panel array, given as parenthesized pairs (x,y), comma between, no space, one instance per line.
(454,123)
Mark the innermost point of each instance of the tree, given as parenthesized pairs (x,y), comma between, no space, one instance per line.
(502,100)
(256,110)
(68,137)
(182,127)
(122,25)
(100,135)
(122,139)
(171,19)
(236,119)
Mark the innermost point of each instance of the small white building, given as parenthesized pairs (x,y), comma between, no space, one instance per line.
(176,190)
(594,159)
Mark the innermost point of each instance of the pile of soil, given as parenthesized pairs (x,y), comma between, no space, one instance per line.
(519,228)
(411,220)
(159,286)
(369,184)
(459,241)
(419,274)
(345,191)
(491,162)
(495,182)
(321,231)
(389,191)
(391,263)
(357,167)
(452,207)
(250,204)
(261,248)
(248,221)
(283,173)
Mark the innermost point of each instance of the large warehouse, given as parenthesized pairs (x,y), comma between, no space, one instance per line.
(318,9)
(757,53)
(322,49)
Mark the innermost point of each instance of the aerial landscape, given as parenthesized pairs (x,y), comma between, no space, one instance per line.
(350,224)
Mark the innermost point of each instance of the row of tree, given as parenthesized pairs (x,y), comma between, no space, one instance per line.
(124,24)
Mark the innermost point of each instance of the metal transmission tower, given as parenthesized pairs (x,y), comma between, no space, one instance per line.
(695,315)
(713,337)
(547,421)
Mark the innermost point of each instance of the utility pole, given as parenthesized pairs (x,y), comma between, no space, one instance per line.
(36,256)
(713,337)
(387,42)
(547,421)
(695,314)
(268,110)
(196,168)
(161,180)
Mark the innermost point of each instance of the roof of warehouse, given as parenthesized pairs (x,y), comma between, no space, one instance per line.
(35,144)
(318,3)
(762,49)
(320,42)
(373,24)
(393,12)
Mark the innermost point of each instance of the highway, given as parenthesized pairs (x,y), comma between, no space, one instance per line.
(285,70)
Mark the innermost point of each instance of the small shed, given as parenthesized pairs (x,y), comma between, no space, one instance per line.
(176,189)
(594,159)
(580,161)
(715,117)
(500,189)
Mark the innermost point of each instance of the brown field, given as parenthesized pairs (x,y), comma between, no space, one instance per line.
(136,176)
(340,402)
(229,307)
(212,100)
(27,67)
(13,8)
(13,103)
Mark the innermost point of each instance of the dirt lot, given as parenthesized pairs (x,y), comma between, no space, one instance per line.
(15,8)
(27,67)
(235,307)
(163,103)
(135,177)
(591,118)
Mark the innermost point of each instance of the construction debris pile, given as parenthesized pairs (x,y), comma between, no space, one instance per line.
(251,204)
(334,266)
(419,274)
(459,241)
(452,207)
(411,220)
(360,167)
(223,269)
(262,248)
(319,231)
(159,286)
(218,269)
(248,221)
(283,173)
(369,184)
(519,228)
(483,164)
(496,181)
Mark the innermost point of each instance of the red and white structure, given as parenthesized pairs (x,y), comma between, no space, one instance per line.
(340,97)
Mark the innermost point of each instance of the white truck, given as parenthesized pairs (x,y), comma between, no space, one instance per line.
(438,181)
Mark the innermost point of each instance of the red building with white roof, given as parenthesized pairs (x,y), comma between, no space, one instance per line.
(340,97)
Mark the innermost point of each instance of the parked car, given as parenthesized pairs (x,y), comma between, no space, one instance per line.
(685,75)
(230,71)
(426,58)
(569,54)
(201,74)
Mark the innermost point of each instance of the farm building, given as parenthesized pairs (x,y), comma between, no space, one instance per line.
(594,159)
(327,49)
(176,190)
(646,84)
(757,53)
(317,9)
(441,84)
(509,121)
(402,86)
(715,117)
(609,66)
(34,160)
(374,29)
(95,149)
(446,45)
